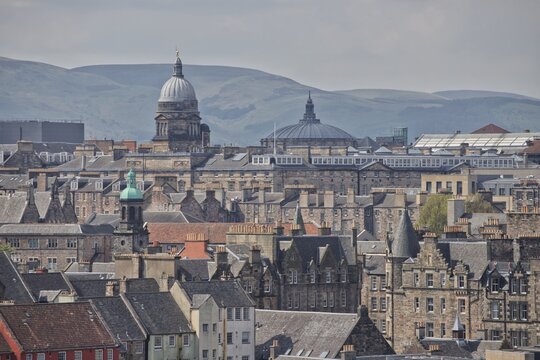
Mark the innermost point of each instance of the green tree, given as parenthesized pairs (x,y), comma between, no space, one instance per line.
(433,214)
(476,204)
(6,248)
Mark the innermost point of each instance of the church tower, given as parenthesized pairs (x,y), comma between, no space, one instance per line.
(178,122)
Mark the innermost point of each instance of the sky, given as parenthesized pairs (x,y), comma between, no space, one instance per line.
(422,45)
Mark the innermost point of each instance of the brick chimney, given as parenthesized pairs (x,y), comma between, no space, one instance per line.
(324,229)
(274,350)
(109,288)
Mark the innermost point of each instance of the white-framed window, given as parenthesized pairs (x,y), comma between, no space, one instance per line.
(158,343)
(110,354)
(383,303)
(429,280)
(430,329)
(429,305)
(461,281)
(78,355)
(61,355)
(72,243)
(373,283)
(373,304)
(185,340)
(237,313)
(325,299)
(245,357)
(205,354)
(443,305)
(494,309)
(461,306)
(245,337)
(495,284)
(383,326)
(33,243)
(313,276)
(344,275)
(172,340)
(98,355)
(41,356)
(52,263)
(246,313)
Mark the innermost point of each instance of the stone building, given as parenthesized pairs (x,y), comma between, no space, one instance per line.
(178,122)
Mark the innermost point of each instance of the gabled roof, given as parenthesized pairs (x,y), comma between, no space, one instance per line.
(14,287)
(38,282)
(159,313)
(118,318)
(93,288)
(47,327)
(309,247)
(195,269)
(405,243)
(225,293)
(313,332)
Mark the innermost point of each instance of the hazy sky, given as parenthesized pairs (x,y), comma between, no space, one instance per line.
(424,45)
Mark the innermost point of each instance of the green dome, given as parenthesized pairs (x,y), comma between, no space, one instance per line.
(131,193)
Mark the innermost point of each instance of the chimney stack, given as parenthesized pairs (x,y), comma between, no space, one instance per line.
(274,350)
(348,353)
(109,288)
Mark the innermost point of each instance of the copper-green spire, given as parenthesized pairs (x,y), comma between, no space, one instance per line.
(131,193)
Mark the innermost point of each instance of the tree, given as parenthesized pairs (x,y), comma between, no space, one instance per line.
(5,247)
(476,204)
(433,214)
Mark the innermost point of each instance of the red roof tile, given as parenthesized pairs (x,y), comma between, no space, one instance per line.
(177,233)
(52,327)
(491,129)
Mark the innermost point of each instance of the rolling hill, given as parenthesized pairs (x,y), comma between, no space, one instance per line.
(241,105)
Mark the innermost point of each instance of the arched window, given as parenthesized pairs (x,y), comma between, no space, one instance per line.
(123,213)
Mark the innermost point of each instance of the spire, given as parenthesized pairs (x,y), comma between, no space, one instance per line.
(458,330)
(298,221)
(405,243)
(178,66)
(309,115)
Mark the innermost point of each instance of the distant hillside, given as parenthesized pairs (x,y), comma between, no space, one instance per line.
(241,105)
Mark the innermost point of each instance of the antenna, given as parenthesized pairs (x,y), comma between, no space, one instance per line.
(275,152)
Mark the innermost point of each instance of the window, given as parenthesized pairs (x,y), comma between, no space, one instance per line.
(383,326)
(213,353)
(158,343)
(205,328)
(429,280)
(443,305)
(429,329)
(78,355)
(185,341)
(416,304)
(267,285)
(289,301)
(495,335)
(62,355)
(313,299)
(52,243)
(293,277)
(344,275)
(383,282)
(343,298)
(245,357)
(229,338)
(461,281)
(523,285)
(495,284)
(373,304)
(523,311)
(238,313)
(172,340)
(443,329)
(442,279)
(33,243)
(52,264)
(325,299)
(139,347)
(72,243)
(214,327)
(383,303)
(98,355)
(373,283)
(313,277)
(246,313)
(230,314)
(461,305)
(429,304)
(205,354)
(109,354)
(494,310)
(416,278)
(331,299)
(14,243)
(28,356)
(245,337)
(328,277)
(41,356)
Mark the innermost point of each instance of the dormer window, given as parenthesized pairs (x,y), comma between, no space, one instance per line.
(495,284)
(461,281)
(293,277)
(328,277)
(313,277)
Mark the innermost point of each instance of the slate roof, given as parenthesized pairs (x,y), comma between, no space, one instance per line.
(14,287)
(371,247)
(308,247)
(97,163)
(194,269)
(47,327)
(37,283)
(474,254)
(94,288)
(405,243)
(12,182)
(451,347)
(118,318)
(315,333)
(159,313)
(375,264)
(225,293)
(54,229)
(12,208)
